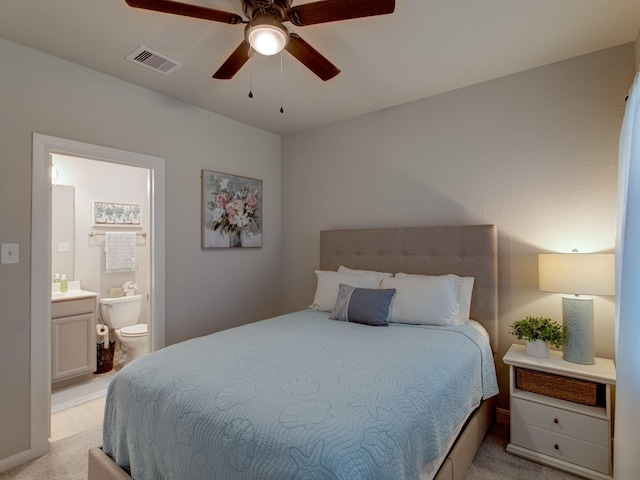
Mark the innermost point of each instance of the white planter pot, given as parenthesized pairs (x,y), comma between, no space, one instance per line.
(537,348)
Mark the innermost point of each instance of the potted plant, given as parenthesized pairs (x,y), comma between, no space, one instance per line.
(539,332)
(129,289)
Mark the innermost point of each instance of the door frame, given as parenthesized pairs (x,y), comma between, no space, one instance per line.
(43,147)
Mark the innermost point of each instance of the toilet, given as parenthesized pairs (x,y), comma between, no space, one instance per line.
(122,315)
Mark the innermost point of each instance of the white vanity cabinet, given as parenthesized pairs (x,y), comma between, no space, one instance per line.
(73,338)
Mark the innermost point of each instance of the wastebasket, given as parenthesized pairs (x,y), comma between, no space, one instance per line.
(105,348)
(105,357)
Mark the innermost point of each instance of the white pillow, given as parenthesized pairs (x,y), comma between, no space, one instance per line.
(328,284)
(465,292)
(429,300)
(464,287)
(343,269)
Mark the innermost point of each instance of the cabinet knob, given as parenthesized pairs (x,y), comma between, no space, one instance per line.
(556,446)
(555,420)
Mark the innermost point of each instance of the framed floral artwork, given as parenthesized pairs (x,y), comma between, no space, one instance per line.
(111,214)
(231,211)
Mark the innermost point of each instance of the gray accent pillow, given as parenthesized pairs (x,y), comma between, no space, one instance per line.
(363,305)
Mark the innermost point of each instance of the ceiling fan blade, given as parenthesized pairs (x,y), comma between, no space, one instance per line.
(311,58)
(187,10)
(234,63)
(336,10)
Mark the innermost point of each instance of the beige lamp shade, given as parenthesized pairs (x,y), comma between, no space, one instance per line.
(577,273)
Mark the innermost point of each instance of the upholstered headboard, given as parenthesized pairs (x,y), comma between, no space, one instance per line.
(467,251)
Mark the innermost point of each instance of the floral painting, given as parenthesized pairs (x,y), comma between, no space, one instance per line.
(231,211)
(109,214)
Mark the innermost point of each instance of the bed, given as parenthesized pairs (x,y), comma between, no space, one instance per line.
(306,396)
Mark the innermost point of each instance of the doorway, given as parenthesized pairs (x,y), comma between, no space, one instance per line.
(78,240)
(43,148)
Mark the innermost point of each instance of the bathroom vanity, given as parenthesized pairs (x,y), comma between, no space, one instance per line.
(73,336)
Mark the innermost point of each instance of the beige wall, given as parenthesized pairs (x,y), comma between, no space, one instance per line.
(638,50)
(534,153)
(206,290)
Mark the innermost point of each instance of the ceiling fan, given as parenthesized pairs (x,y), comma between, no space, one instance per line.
(264,31)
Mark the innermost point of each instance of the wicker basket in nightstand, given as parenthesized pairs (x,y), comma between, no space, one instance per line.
(557,386)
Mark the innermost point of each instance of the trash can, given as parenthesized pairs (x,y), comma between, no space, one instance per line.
(104,362)
(105,348)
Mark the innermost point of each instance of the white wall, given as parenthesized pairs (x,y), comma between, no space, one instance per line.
(206,290)
(534,153)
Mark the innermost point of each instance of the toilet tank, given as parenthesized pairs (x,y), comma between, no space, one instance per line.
(121,312)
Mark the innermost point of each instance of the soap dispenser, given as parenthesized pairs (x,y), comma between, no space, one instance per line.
(57,278)
(64,284)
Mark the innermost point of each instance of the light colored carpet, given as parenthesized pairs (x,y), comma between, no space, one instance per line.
(67,460)
(492,462)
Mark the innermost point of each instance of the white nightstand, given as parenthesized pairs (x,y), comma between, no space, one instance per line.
(564,434)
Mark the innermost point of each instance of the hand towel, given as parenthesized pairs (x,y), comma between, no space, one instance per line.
(121,252)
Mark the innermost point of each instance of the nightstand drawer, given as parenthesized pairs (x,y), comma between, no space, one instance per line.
(558,446)
(556,420)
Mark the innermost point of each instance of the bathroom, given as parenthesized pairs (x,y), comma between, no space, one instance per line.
(78,248)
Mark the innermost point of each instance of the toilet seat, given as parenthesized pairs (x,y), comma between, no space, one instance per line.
(137,330)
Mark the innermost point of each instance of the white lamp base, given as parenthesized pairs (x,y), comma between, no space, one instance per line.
(577,316)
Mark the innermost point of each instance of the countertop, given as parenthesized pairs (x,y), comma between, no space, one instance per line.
(72,295)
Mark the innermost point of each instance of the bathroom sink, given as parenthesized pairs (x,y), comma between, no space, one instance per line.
(72,295)
(75,291)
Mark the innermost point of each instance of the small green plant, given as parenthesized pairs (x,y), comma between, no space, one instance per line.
(539,328)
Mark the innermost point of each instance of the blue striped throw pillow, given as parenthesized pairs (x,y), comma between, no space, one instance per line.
(363,305)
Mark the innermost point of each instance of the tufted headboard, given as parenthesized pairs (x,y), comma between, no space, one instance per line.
(467,251)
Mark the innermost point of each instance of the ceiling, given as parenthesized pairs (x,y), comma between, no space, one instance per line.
(424,48)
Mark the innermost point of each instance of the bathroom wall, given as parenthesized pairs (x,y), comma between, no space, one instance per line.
(62,229)
(106,182)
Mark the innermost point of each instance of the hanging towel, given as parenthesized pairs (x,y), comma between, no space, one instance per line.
(121,252)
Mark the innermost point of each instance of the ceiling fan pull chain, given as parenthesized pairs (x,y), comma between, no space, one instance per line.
(250,79)
(281,81)
(250,72)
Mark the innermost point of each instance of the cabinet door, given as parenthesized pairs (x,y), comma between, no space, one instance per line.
(73,346)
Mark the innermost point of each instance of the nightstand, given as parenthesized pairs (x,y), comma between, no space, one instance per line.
(548,428)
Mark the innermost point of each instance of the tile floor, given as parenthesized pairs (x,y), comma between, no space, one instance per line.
(79,407)
(77,419)
(78,393)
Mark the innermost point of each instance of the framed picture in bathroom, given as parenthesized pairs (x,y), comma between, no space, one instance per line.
(231,211)
(113,214)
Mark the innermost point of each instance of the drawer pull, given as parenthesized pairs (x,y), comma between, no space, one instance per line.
(556,446)
(555,420)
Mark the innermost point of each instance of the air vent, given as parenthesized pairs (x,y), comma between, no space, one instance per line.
(153,60)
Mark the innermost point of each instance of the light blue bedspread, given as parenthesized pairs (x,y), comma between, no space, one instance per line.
(297,397)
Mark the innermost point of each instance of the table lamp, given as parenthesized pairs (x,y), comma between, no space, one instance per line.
(577,274)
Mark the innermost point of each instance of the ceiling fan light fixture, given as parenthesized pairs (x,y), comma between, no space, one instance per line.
(267,36)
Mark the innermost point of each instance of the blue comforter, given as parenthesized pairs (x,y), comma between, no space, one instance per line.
(297,397)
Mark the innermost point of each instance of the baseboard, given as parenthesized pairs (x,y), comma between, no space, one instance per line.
(18,459)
